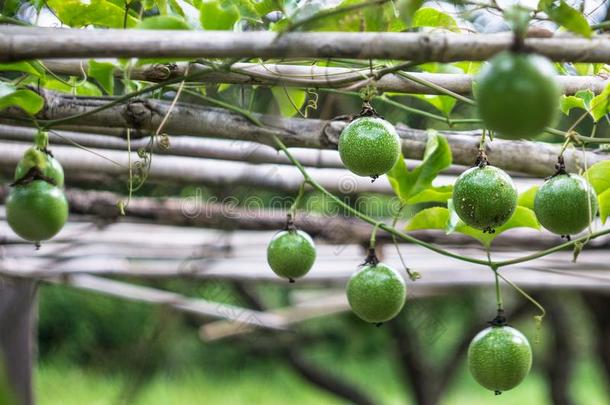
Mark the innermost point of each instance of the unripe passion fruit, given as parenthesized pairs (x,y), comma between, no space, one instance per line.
(517,94)
(36,211)
(565,204)
(484,197)
(499,358)
(49,166)
(291,254)
(376,293)
(369,146)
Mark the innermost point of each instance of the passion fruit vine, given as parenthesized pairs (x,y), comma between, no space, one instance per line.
(499,358)
(517,94)
(565,204)
(484,197)
(376,293)
(291,253)
(369,146)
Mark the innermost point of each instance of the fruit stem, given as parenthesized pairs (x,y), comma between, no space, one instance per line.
(413,275)
(373,239)
(297,200)
(497,282)
(526,295)
(371,258)
(41,140)
(519,19)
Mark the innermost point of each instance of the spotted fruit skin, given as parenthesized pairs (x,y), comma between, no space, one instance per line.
(36,211)
(517,94)
(369,146)
(565,204)
(484,197)
(376,293)
(499,358)
(291,254)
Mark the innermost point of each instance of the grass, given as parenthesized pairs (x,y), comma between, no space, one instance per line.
(65,384)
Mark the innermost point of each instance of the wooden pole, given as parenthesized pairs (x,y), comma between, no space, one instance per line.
(17,334)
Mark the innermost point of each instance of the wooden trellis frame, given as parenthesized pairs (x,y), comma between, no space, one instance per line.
(26,43)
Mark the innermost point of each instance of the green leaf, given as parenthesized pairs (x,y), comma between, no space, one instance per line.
(215,16)
(431,17)
(429,218)
(77,13)
(581,99)
(432,194)
(163,22)
(407,9)
(526,199)
(264,7)
(598,176)
(32,68)
(103,72)
(604,205)
(437,157)
(289,101)
(444,104)
(447,219)
(599,104)
(566,16)
(376,17)
(27,100)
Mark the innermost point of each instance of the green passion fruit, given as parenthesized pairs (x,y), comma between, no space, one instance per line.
(565,204)
(499,358)
(291,254)
(376,293)
(36,211)
(517,94)
(484,197)
(48,165)
(369,146)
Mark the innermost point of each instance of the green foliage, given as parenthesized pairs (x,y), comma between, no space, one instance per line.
(444,104)
(447,219)
(599,104)
(375,17)
(598,176)
(431,17)
(163,22)
(526,199)
(289,101)
(32,68)
(103,13)
(415,185)
(103,72)
(27,100)
(566,16)
(582,100)
(215,15)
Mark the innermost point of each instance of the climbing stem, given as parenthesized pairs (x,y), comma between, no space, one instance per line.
(393,231)
(373,239)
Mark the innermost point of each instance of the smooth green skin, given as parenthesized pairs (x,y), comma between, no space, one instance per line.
(291,254)
(517,94)
(36,211)
(562,204)
(369,146)
(499,358)
(376,293)
(51,167)
(484,198)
